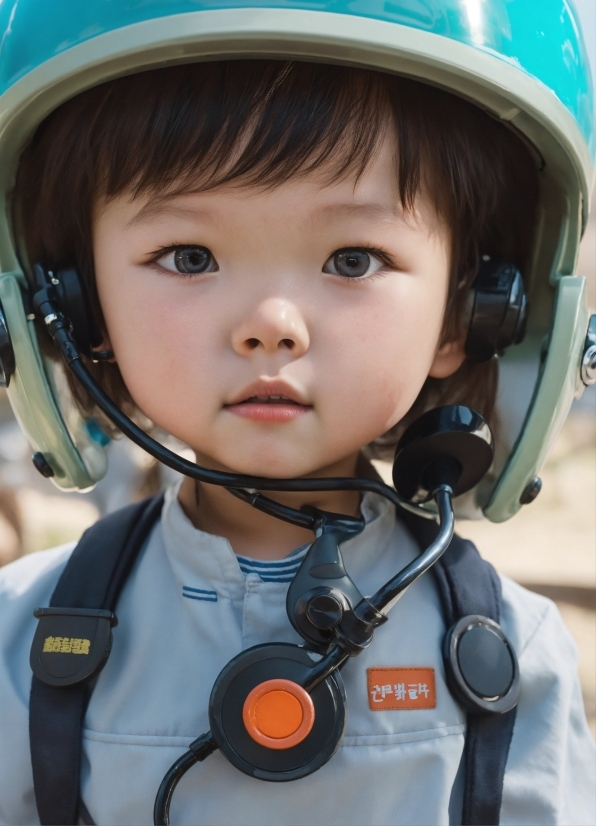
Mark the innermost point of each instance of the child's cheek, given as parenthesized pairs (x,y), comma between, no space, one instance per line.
(166,349)
(377,359)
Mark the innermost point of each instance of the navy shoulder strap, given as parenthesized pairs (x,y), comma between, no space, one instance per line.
(92,579)
(470,585)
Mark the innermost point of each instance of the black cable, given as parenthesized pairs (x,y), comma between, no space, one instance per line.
(245,488)
(213,477)
(263,503)
(382,601)
(60,330)
(387,596)
(198,751)
(324,668)
(161,809)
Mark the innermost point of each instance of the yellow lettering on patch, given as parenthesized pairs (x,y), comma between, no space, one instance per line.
(80,646)
(66,645)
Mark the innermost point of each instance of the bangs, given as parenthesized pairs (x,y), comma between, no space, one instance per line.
(253,123)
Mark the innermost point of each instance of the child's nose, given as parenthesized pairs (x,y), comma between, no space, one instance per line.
(276,324)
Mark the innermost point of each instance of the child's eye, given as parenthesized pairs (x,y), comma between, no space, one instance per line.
(354,263)
(188,261)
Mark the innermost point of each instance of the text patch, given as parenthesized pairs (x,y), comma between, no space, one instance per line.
(392,689)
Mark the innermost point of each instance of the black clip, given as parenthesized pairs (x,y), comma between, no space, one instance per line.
(71,645)
(322,593)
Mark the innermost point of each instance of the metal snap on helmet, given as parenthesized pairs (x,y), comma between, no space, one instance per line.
(523,61)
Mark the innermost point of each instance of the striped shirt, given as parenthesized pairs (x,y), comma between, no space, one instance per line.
(274,570)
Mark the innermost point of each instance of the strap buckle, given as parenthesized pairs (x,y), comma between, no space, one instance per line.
(71,645)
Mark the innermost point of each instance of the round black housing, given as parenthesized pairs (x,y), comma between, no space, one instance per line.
(235,682)
(499,310)
(450,445)
(481,665)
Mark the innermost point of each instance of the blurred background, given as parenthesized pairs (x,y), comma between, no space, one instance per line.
(549,547)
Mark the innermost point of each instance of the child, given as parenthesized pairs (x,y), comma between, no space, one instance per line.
(278,258)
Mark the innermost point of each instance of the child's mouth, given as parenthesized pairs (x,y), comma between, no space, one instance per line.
(271,408)
(269,400)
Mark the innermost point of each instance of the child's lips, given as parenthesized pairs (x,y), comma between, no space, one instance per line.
(269,401)
(269,409)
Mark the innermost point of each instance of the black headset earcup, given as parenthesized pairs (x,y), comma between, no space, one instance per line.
(75,306)
(499,310)
(270,664)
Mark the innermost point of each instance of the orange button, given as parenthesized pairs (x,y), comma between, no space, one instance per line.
(278,714)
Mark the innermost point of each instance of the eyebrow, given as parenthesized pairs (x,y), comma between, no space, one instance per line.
(367,210)
(371,210)
(153,209)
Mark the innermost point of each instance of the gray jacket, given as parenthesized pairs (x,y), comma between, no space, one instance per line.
(399,760)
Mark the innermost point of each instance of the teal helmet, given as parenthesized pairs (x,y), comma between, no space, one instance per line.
(522,61)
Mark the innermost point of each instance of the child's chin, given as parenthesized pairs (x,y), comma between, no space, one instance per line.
(264,464)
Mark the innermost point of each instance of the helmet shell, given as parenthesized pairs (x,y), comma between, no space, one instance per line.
(541,38)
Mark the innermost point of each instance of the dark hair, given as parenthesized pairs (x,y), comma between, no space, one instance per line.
(261,122)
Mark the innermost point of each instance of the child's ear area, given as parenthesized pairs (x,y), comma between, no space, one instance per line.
(449,358)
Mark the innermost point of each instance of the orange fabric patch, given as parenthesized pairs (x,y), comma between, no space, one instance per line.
(392,689)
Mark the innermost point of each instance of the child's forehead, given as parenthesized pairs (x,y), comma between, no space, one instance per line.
(305,203)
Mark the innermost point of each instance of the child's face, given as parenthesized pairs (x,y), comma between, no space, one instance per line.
(271,316)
